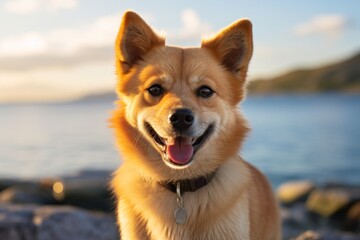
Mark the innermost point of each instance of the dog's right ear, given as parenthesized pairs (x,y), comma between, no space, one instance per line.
(135,38)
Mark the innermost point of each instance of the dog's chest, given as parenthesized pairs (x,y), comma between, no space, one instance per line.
(230,223)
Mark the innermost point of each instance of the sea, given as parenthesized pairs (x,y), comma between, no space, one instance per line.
(293,137)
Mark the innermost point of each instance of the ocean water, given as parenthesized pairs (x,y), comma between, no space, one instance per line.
(313,137)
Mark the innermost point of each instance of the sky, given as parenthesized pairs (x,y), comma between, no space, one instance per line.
(53,50)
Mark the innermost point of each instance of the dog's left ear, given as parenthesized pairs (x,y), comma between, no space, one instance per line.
(233,46)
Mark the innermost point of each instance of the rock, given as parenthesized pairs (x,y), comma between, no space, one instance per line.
(327,235)
(30,193)
(352,220)
(16,222)
(30,222)
(309,235)
(331,199)
(8,182)
(295,220)
(88,189)
(68,223)
(291,192)
(333,206)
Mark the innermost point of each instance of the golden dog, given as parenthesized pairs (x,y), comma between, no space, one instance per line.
(179,131)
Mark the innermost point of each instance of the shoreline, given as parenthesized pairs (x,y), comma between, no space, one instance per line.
(81,206)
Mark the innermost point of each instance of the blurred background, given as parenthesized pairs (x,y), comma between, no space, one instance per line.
(57,77)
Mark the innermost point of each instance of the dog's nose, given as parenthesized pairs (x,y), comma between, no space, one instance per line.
(181,119)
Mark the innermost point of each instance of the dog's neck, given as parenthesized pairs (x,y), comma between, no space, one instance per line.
(189,185)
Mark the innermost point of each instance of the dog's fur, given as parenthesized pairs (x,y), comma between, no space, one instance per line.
(238,202)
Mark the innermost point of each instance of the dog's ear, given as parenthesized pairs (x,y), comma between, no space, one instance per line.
(233,46)
(134,40)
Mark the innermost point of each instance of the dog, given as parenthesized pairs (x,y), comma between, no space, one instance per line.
(179,131)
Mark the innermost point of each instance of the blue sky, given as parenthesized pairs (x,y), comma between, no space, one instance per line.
(59,49)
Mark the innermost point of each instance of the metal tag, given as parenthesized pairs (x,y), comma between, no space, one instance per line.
(180,215)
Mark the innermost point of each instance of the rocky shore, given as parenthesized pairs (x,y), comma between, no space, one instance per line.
(319,212)
(78,207)
(81,207)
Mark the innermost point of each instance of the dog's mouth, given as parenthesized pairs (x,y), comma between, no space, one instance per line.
(179,150)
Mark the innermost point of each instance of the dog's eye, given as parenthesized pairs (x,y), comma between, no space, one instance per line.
(155,90)
(205,92)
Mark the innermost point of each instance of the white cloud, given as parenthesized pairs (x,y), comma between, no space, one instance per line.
(331,26)
(33,6)
(89,43)
(100,33)
(25,45)
(62,42)
(92,42)
(193,28)
(62,4)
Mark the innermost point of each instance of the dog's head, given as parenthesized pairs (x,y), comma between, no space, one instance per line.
(178,107)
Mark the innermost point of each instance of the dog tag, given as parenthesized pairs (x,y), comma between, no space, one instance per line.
(180,215)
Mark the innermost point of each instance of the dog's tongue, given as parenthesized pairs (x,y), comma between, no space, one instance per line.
(180,150)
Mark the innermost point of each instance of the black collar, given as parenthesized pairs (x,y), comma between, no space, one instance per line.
(189,185)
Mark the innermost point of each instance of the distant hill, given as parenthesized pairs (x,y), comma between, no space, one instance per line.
(343,76)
